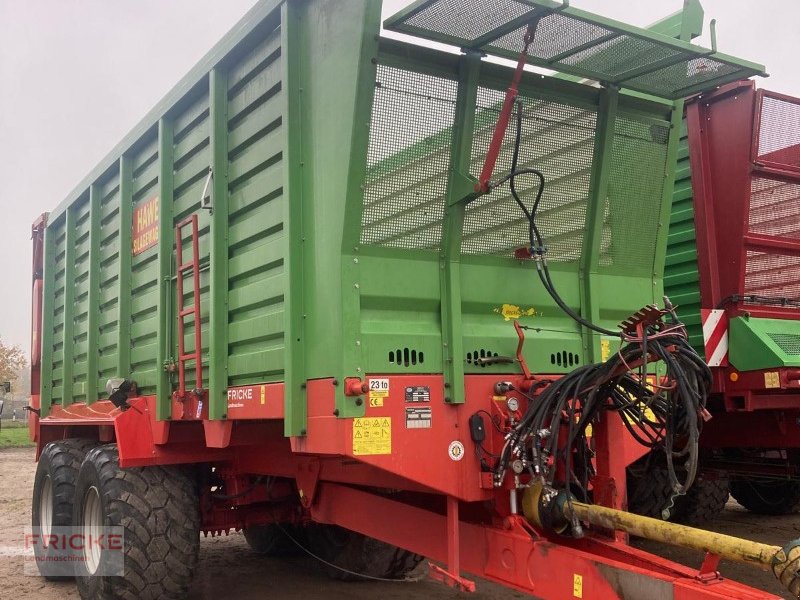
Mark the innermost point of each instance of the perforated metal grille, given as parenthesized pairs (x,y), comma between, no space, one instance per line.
(573,42)
(678,80)
(556,34)
(409,156)
(562,41)
(635,194)
(558,140)
(788,342)
(773,275)
(478,17)
(779,134)
(774,208)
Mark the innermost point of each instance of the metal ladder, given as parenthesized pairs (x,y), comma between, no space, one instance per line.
(193,267)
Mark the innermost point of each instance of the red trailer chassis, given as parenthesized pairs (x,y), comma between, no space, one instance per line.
(447,510)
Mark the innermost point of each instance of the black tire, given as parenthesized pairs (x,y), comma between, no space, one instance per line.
(272,540)
(57,471)
(357,557)
(158,511)
(703,503)
(765,497)
(649,495)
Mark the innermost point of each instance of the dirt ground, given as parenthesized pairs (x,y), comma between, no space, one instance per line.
(228,569)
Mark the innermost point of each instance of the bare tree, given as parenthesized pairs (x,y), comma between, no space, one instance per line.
(12,360)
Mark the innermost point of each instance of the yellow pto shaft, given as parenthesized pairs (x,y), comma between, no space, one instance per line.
(557,512)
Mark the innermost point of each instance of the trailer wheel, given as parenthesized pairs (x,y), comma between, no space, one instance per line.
(272,540)
(703,503)
(766,497)
(356,557)
(157,507)
(54,495)
(649,493)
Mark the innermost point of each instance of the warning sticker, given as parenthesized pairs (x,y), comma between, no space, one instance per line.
(772,379)
(577,586)
(378,390)
(372,436)
(605,350)
(418,417)
(418,393)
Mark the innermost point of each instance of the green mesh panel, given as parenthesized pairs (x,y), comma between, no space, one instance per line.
(788,342)
(409,156)
(635,195)
(558,140)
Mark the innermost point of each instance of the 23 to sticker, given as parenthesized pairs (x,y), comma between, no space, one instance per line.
(378,391)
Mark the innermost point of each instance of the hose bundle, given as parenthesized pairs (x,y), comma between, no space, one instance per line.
(664,414)
(551,440)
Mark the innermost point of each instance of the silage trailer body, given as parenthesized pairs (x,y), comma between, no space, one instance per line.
(285,275)
(732,265)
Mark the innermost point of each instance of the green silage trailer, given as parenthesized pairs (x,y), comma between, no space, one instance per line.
(296,300)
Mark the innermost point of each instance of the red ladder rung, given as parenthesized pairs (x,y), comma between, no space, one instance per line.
(184,268)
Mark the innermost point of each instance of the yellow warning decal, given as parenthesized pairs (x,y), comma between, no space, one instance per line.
(772,379)
(577,586)
(512,311)
(372,436)
(263,394)
(605,350)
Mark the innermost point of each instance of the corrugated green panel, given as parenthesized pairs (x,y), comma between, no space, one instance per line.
(144,276)
(192,157)
(80,304)
(681,276)
(58,231)
(125,288)
(109,274)
(256,209)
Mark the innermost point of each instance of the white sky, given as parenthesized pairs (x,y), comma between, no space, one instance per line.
(77,75)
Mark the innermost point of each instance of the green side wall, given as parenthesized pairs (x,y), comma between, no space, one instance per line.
(681,275)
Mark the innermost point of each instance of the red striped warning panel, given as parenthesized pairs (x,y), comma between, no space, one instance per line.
(715,336)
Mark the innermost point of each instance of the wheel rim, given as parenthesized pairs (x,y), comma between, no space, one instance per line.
(92,529)
(46,509)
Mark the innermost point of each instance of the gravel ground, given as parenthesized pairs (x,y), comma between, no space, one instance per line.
(229,569)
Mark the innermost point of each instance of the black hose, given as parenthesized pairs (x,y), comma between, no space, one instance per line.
(537,245)
(667,420)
